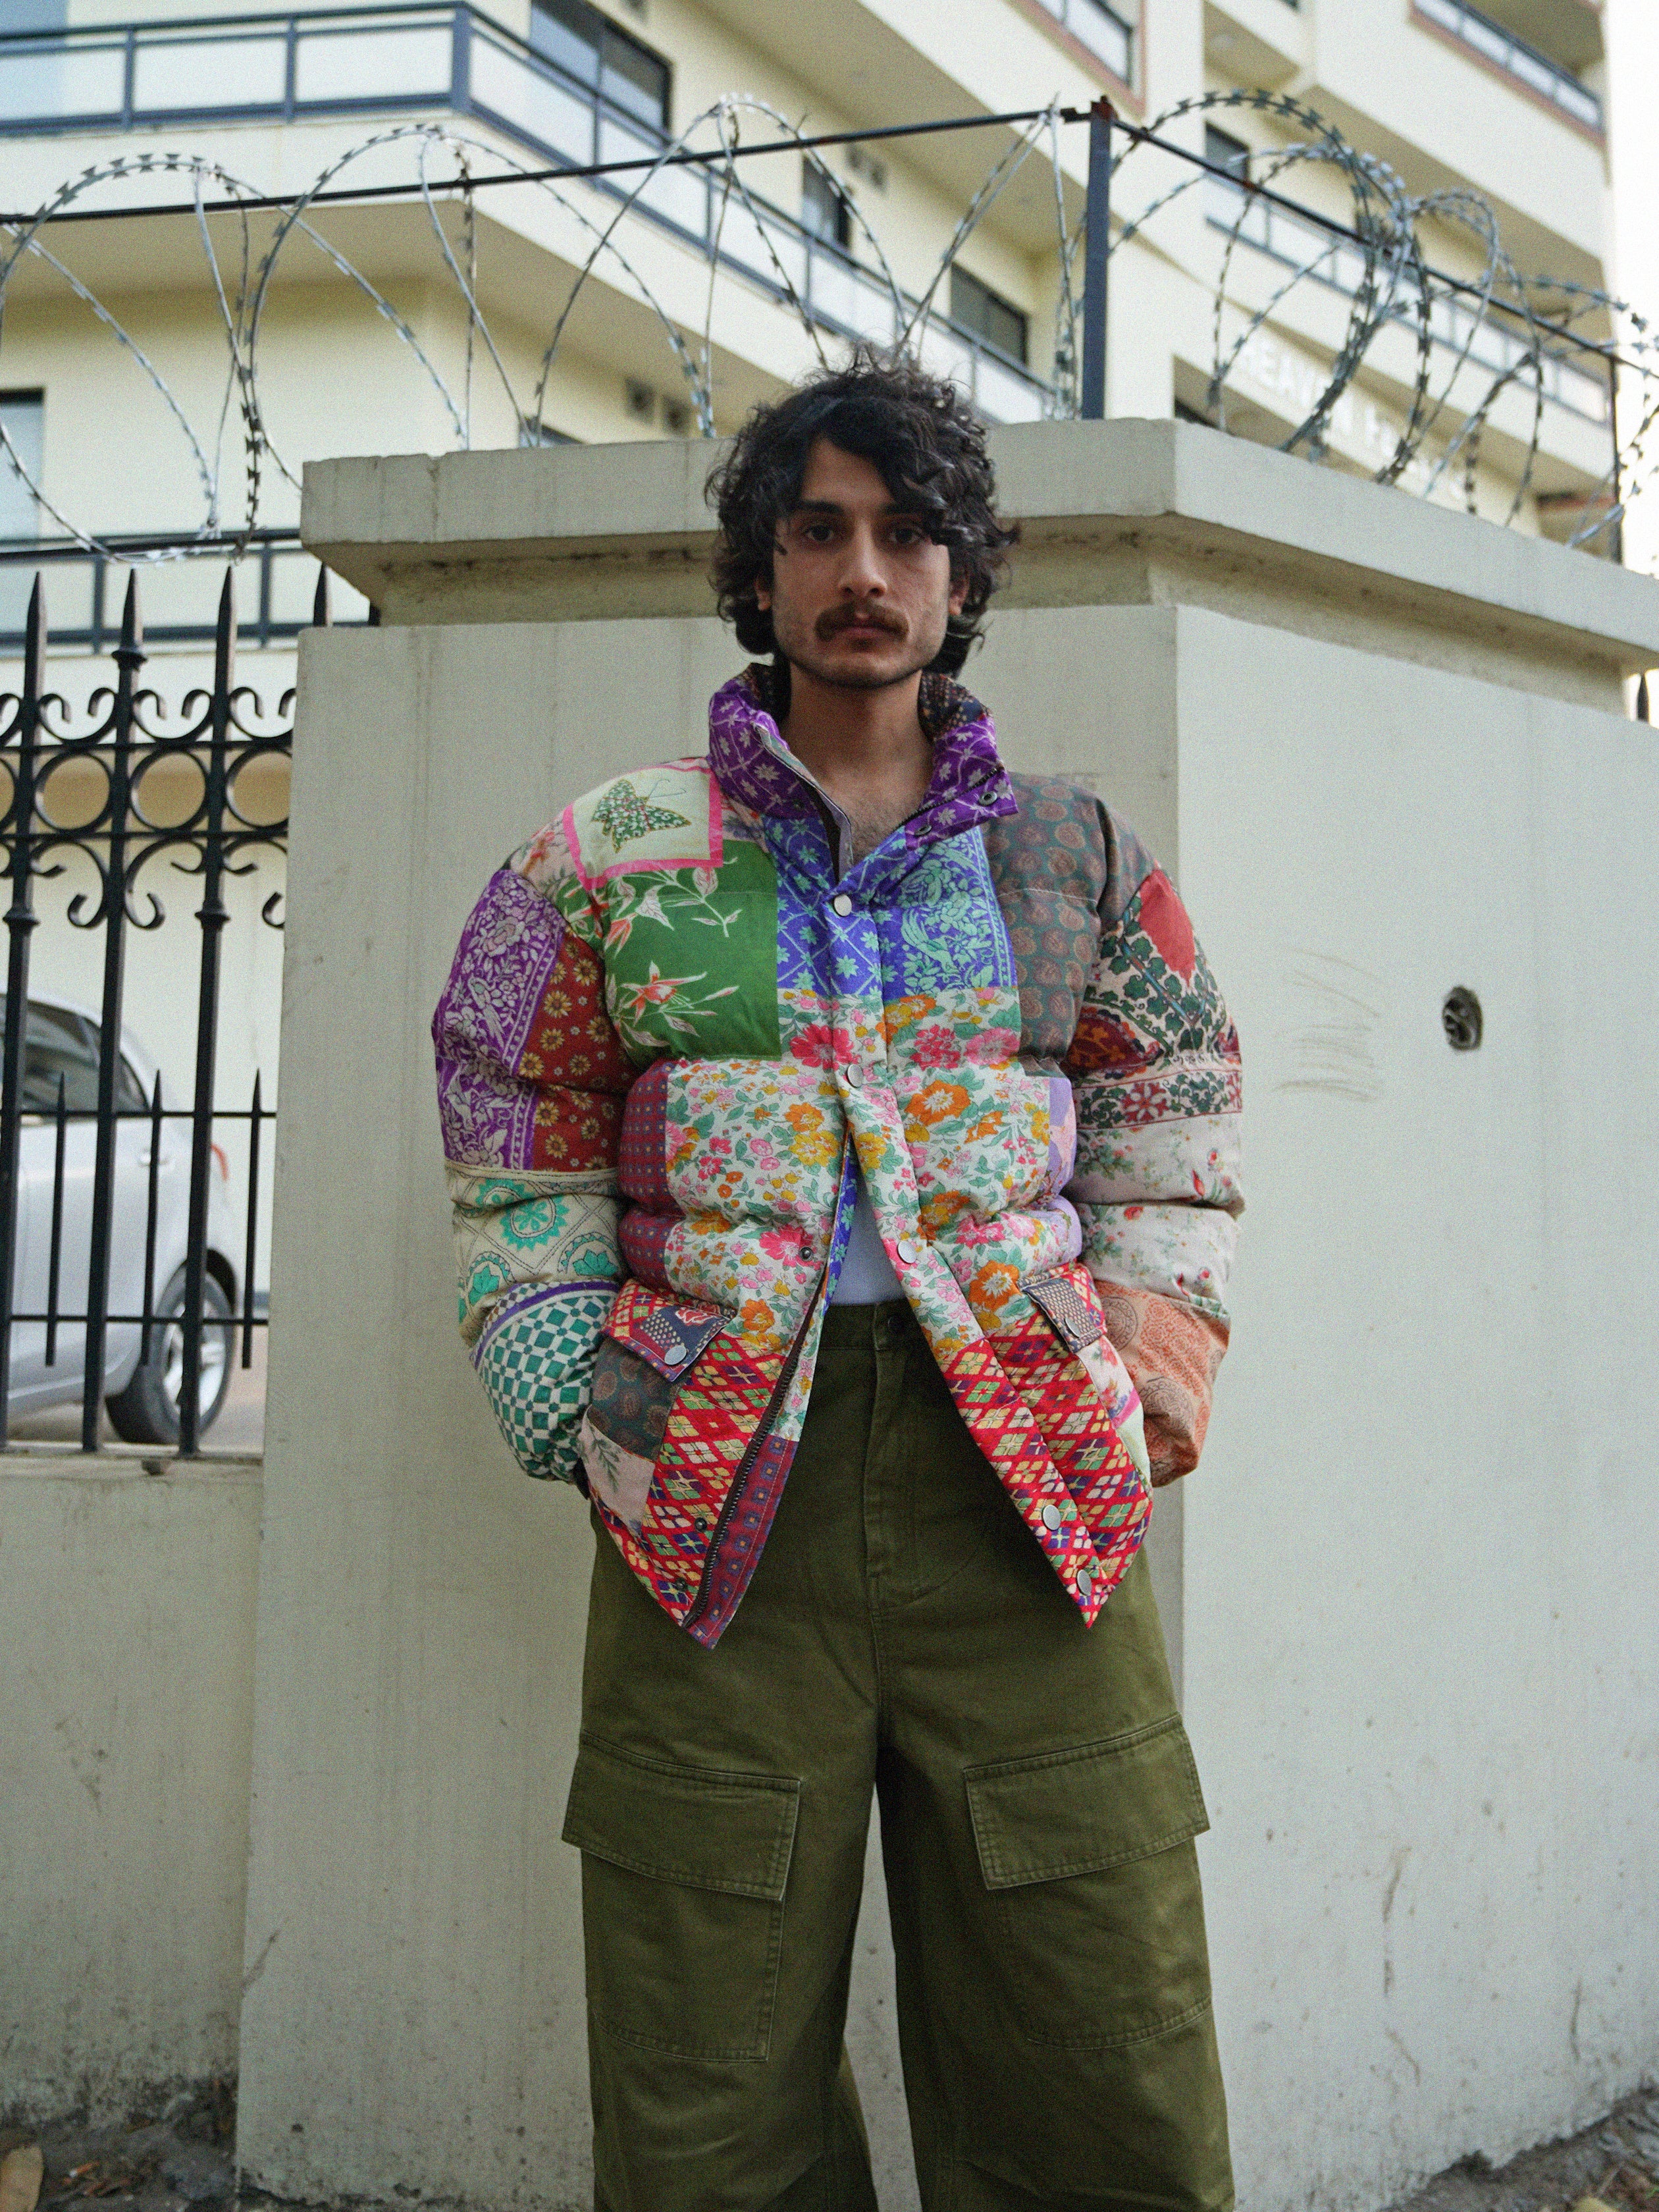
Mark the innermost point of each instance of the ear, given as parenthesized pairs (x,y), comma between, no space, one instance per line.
(959,596)
(763,597)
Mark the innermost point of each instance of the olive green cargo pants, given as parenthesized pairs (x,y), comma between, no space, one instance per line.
(903,1633)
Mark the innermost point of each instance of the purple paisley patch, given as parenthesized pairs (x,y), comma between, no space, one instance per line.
(506,954)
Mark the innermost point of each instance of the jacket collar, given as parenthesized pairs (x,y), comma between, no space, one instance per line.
(752,763)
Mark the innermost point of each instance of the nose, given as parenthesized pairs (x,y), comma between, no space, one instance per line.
(861,571)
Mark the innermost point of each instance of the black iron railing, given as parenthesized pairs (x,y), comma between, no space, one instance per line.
(141,1255)
(1548,79)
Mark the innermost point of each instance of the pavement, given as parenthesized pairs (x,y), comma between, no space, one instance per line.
(180,2158)
(1615,2164)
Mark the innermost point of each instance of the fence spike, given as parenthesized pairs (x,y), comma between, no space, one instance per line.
(224,640)
(34,640)
(320,616)
(132,623)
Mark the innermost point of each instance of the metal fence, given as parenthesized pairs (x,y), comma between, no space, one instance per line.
(127,1261)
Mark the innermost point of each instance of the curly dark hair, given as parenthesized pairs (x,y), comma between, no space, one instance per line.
(929,447)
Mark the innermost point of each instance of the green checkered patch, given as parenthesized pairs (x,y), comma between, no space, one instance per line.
(537,1368)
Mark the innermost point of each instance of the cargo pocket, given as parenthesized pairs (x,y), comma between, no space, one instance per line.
(1087,1856)
(683,1871)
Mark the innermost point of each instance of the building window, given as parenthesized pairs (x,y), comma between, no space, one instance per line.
(1222,199)
(24,415)
(1225,151)
(1099,27)
(824,210)
(974,306)
(587,46)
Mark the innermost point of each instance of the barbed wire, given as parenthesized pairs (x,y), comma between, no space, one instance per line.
(1451,362)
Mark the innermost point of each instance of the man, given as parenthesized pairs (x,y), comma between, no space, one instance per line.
(842,1139)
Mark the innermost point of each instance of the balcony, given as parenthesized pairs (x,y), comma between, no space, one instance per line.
(1453,328)
(376,62)
(1534,72)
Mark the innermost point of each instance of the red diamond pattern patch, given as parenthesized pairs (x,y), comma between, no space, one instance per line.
(716,1412)
(1034,1412)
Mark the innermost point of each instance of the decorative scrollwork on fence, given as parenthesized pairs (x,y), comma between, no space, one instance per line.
(119,794)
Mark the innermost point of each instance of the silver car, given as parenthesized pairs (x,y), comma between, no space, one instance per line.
(62,1043)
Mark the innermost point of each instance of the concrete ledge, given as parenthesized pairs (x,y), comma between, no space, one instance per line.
(1123,512)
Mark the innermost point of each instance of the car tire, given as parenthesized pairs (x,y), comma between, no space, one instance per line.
(147,1410)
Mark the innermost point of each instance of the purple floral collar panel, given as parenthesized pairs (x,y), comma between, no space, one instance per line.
(752,763)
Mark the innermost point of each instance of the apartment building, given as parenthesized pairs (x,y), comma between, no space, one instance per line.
(125,401)
(118,389)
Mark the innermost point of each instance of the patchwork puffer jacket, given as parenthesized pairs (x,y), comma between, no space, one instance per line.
(683,1020)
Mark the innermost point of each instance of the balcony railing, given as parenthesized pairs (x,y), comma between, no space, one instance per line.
(84,591)
(1452,325)
(1536,72)
(416,58)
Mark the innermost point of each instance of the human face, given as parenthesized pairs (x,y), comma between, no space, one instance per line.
(860,593)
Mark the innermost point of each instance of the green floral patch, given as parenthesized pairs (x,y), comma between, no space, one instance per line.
(691,959)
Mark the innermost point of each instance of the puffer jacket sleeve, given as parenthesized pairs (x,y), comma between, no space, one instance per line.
(1155,1071)
(531,1080)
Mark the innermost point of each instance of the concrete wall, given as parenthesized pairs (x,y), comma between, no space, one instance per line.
(126,1697)
(1421,1657)
(1382,748)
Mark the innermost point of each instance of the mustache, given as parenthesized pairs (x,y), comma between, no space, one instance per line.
(836,619)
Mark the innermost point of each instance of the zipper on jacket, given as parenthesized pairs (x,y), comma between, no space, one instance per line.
(751,1452)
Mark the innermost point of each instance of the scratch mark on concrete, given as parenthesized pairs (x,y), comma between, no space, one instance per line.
(1399,2044)
(259,1966)
(1397,1868)
(1334,1053)
(86,1760)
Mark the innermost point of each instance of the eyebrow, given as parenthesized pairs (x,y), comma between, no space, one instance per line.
(834,506)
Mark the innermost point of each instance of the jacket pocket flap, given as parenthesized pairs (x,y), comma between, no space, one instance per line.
(667,1333)
(698,1826)
(1067,1298)
(1093,1806)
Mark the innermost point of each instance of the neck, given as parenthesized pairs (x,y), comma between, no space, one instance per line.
(866,749)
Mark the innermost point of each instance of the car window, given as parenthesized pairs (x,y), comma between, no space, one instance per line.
(59,1044)
(62,1043)
(130,1097)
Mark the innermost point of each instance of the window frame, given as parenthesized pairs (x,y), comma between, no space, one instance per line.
(34,395)
(995,299)
(582,22)
(815,177)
